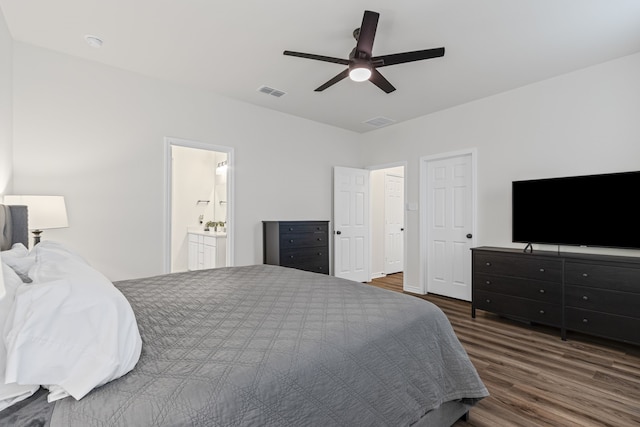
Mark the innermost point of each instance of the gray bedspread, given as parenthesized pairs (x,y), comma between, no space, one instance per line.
(271,346)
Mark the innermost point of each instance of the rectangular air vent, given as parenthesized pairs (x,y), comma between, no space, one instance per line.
(271,91)
(379,122)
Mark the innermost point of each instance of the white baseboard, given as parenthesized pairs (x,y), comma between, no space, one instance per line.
(377,275)
(414,290)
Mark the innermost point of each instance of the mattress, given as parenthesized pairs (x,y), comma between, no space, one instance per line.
(271,346)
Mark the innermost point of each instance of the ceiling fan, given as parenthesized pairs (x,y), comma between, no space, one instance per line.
(361,64)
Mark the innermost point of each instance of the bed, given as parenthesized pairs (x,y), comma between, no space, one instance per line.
(265,345)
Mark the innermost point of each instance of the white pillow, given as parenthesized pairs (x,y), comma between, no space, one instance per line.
(9,393)
(19,259)
(52,261)
(17,250)
(72,330)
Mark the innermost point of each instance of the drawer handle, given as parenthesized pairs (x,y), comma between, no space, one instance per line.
(291,256)
(585,275)
(584,297)
(290,228)
(488,282)
(585,320)
(541,311)
(542,270)
(488,264)
(291,241)
(319,239)
(319,253)
(488,300)
(542,291)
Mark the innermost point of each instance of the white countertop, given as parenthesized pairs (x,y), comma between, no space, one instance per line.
(200,230)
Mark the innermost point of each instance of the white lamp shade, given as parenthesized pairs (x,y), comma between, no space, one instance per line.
(44,211)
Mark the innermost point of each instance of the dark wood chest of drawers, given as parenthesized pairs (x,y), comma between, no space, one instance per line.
(298,244)
(529,288)
(593,294)
(603,299)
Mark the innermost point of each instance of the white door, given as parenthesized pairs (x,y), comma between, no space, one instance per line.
(351,223)
(449,215)
(393,223)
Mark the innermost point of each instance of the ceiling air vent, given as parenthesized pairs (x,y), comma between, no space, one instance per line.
(271,91)
(379,122)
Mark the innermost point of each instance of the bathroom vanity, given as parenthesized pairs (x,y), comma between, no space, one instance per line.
(207,249)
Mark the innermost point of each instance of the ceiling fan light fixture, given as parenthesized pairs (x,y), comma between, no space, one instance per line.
(360,73)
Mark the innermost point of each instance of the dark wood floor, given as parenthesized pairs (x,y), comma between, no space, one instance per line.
(535,378)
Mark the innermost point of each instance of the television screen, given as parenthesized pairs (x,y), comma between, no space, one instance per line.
(593,210)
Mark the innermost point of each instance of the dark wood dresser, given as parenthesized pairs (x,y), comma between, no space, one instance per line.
(593,294)
(298,244)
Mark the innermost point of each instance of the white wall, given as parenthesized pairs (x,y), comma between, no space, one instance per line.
(95,135)
(6,108)
(585,122)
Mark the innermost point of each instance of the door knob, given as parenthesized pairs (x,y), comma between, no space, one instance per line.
(338,232)
(469,236)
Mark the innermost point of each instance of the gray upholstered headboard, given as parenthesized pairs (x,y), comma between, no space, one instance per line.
(13,226)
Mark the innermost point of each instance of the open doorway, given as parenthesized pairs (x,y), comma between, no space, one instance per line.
(387,220)
(199,205)
(368,221)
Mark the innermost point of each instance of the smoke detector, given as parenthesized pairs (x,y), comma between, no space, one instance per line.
(93,41)
(379,122)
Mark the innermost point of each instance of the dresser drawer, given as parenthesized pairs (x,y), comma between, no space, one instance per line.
(515,286)
(306,227)
(518,266)
(602,324)
(535,311)
(613,302)
(300,240)
(304,256)
(603,276)
(316,266)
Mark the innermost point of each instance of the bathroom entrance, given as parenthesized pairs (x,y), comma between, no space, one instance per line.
(199,207)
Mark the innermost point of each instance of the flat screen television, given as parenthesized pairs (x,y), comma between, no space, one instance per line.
(594,210)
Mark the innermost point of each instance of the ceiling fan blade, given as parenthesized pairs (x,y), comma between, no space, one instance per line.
(367,32)
(317,57)
(333,81)
(379,80)
(401,58)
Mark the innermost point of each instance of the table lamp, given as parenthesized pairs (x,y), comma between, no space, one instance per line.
(44,212)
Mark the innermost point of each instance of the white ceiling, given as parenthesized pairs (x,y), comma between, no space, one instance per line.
(234,47)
